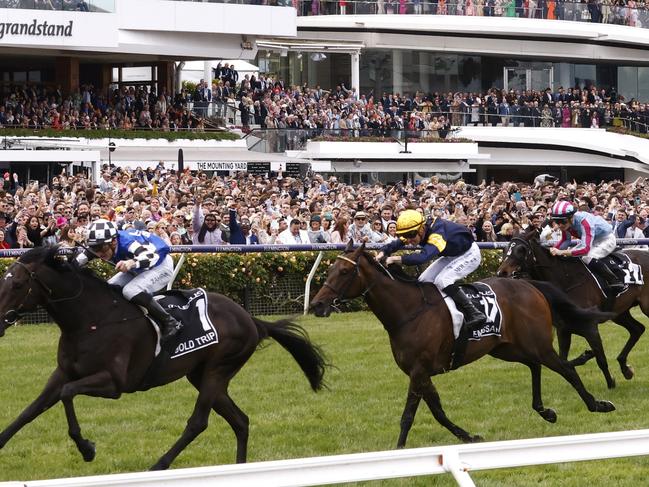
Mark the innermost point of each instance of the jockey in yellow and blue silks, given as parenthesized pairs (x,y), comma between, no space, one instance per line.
(458,256)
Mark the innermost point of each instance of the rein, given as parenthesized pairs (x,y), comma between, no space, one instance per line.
(13,315)
(340,295)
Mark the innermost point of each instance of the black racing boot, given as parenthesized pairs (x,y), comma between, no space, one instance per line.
(473,317)
(169,325)
(612,282)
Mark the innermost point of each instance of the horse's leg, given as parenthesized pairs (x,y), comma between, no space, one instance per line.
(551,360)
(100,384)
(635,329)
(408,416)
(424,386)
(197,422)
(564,339)
(225,407)
(47,398)
(537,401)
(594,339)
(85,447)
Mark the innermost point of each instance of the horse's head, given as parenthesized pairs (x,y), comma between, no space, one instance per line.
(23,287)
(344,281)
(519,256)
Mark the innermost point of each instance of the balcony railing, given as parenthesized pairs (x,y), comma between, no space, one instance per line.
(595,11)
(271,3)
(64,5)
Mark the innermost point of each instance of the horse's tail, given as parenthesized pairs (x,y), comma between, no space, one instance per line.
(295,340)
(566,311)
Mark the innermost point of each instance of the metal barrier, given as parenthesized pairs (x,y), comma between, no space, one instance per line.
(242,249)
(458,460)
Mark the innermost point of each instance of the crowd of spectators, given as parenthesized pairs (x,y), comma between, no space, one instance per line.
(37,107)
(621,12)
(268,103)
(194,208)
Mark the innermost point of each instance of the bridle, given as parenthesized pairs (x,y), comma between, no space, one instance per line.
(529,260)
(13,315)
(340,295)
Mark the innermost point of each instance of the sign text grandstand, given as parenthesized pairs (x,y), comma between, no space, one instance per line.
(36,29)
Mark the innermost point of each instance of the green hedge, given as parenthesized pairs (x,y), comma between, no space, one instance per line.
(120,134)
(230,274)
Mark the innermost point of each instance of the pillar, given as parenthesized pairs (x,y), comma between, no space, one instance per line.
(397,71)
(207,72)
(67,73)
(356,72)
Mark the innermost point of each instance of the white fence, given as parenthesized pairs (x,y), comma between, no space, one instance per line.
(457,460)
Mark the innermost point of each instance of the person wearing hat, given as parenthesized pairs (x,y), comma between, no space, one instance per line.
(143,263)
(596,241)
(457,256)
(360,230)
(316,234)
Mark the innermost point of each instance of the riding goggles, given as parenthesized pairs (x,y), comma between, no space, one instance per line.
(409,235)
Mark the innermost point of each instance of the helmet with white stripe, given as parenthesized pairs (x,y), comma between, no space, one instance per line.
(562,210)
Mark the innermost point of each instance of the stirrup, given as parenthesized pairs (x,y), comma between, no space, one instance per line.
(170,331)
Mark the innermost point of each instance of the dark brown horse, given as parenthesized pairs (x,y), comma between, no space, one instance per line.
(421,332)
(107,347)
(526,255)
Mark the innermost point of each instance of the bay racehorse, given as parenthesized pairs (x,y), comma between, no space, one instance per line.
(527,256)
(420,328)
(107,346)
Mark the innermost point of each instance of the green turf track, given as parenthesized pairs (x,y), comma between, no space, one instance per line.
(358,413)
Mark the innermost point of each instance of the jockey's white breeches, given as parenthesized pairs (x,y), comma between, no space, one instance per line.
(150,280)
(445,271)
(600,248)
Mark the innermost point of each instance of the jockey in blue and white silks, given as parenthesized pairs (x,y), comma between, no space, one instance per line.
(144,266)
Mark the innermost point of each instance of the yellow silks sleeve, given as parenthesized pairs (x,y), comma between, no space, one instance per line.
(437,240)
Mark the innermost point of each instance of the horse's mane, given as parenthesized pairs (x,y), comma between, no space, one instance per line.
(48,255)
(395,271)
(44,255)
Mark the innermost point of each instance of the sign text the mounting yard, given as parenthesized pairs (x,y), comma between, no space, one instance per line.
(222,166)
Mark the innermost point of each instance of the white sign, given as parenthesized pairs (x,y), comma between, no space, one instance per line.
(222,166)
(57,29)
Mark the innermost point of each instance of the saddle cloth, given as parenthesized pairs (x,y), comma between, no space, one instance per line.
(483,298)
(626,271)
(190,308)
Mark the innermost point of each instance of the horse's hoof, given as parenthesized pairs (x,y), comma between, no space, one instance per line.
(628,372)
(89,451)
(604,406)
(472,439)
(611,383)
(549,415)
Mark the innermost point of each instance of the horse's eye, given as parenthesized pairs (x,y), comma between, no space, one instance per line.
(344,271)
(17,284)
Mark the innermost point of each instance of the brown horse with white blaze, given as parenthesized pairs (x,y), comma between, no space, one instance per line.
(420,329)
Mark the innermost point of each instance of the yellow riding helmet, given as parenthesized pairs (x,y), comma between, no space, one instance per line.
(408,221)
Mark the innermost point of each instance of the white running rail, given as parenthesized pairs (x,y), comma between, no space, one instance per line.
(457,460)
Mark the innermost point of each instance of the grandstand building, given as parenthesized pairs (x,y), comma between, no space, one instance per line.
(372,47)
(109,40)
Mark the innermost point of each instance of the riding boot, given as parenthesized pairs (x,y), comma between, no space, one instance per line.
(473,317)
(168,324)
(601,269)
